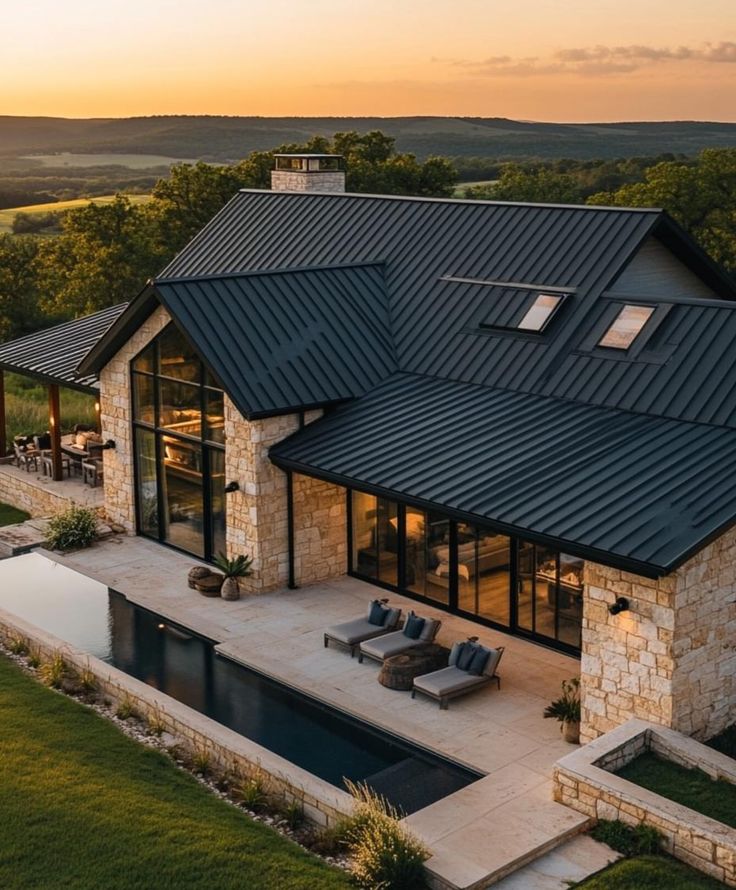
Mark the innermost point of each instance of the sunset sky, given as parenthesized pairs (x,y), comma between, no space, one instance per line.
(564,60)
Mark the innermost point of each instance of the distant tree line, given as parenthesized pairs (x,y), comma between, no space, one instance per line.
(105,252)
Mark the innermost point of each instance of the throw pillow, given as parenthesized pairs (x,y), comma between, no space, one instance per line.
(479,661)
(457,648)
(413,626)
(377,613)
(429,630)
(466,656)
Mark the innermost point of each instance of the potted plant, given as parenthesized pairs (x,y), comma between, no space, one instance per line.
(566,709)
(232,569)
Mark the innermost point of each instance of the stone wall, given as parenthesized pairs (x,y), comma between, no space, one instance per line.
(116,422)
(312,181)
(41,496)
(585,781)
(257,520)
(670,658)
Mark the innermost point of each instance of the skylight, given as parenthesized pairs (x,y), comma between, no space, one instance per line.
(626,327)
(540,312)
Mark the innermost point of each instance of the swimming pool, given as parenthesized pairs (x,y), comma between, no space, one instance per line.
(310,734)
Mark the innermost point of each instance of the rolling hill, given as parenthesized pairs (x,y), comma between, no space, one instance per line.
(229,138)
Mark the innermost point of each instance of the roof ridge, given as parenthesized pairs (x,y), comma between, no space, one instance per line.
(469,201)
(255,273)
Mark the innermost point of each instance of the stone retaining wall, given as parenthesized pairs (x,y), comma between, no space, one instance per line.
(584,781)
(26,492)
(323,804)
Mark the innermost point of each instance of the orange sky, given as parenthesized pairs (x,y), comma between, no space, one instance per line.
(571,60)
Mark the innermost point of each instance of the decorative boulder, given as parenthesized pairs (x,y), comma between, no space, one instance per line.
(197,573)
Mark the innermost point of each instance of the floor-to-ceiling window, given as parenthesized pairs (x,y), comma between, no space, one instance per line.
(178,419)
(468,568)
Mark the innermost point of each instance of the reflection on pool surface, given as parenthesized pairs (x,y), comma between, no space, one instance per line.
(314,736)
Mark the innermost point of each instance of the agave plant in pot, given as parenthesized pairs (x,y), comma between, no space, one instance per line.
(566,709)
(233,570)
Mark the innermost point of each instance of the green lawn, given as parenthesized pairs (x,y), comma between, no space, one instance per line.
(10,515)
(7,215)
(649,873)
(691,787)
(83,806)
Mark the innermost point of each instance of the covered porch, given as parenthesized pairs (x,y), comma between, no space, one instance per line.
(500,733)
(43,462)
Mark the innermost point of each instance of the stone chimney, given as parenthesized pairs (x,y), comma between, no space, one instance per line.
(308,173)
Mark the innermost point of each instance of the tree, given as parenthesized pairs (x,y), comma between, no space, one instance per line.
(19,295)
(104,256)
(533,184)
(701,196)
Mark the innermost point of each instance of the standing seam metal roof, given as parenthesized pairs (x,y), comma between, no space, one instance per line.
(54,353)
(287,340)
(594,481)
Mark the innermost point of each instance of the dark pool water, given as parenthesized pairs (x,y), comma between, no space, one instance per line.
(314,736)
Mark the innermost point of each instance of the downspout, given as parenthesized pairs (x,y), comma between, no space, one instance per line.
(290,526)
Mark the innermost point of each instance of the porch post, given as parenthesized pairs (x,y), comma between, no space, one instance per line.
(3,429)
(55,430)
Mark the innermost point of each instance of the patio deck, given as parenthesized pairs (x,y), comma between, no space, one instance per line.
(476,835)
(39,495)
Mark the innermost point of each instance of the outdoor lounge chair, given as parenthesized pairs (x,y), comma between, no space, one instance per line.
(352,633)
(398,643)
(452,681)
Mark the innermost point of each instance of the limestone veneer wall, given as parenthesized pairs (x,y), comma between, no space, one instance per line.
(115,420)
(670,659)
(257,520)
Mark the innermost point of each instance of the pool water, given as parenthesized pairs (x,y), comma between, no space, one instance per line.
(312,735)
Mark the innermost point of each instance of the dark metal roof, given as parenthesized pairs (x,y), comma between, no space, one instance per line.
(53,354)
(287,340)
(640,492)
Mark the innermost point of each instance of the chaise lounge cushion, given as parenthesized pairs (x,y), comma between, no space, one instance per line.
(448,681)
(353,632)
(390,644)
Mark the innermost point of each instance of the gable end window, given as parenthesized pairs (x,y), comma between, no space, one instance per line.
(540,312)
(626,326)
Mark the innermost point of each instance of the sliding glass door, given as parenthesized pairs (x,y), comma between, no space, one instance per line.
(468,569)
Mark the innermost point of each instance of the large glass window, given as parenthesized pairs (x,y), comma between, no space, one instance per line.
(427,548)
(375,538)
(483,572)
(179,439)
(550,593)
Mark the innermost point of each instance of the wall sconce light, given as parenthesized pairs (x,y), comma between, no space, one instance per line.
(621,605)
(232,486)
(109,445)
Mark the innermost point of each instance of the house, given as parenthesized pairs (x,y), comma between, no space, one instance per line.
(525,414)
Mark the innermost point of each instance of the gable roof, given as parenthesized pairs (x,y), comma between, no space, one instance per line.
(53,354)
(639,492)
(284,341)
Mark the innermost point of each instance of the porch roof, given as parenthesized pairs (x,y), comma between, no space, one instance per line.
(625,489)
(53,354)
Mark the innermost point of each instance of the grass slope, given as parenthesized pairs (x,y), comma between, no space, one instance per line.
(690,787)
(8,215)
(10,515)
(649,873)
(82,806)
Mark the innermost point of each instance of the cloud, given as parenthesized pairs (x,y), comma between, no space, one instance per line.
(595,60)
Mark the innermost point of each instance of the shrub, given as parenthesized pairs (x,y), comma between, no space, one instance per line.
(630,840)
(155,722)
(126,708)
(18,645)
(87,681)
(72,529)
(293,813)
(252,792)
(383,853)
(53,672)
(34,659)
(201,761)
